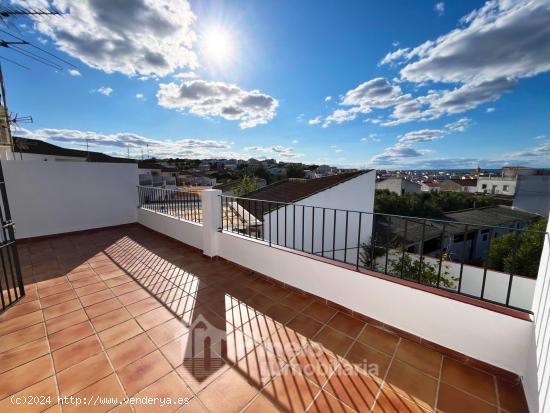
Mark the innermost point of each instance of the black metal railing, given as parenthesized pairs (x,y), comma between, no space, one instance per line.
(11,281)
(181,204)
(479,261)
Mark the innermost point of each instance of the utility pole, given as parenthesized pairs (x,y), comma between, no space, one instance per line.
(5,132)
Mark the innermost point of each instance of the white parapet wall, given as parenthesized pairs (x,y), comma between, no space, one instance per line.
(49,198)
(537,379)
(188,232)
(489,336)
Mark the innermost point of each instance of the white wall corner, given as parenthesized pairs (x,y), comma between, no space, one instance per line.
(212,220)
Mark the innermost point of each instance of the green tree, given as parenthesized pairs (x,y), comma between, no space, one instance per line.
(421,271)
(295,171)
(529,249)
(247,184)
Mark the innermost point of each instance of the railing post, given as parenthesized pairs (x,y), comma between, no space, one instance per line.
(211,222)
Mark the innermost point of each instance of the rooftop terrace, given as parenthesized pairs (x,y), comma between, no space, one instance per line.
(122,311)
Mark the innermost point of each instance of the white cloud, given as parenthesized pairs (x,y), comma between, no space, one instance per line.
(315,121)
(439,8)
(277,150)
(206,98)
(340,116)
(493,48)
(185,75)
(328,98)
(104,90)
(138,37)
(395,153)
(490,110)
(460,125)
(74,72)
(192,148)
(140,96)
(424,135)
(295,141)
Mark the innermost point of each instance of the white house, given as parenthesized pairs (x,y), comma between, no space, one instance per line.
(310,214)
(400,186)
(497,185)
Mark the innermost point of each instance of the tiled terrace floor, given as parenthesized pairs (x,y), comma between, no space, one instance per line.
(125,312)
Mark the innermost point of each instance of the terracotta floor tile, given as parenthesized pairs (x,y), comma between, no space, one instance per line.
(237,315)
(379,339)
(260,328)
(119,333)
(305,326)
(25,375)
(326,402)
(368,360)
(76,352)
(70,335)
(125,287)
(333,341)
(319,311)
(391,402)
(57,298)
(291,391)
(154,317)
(133,297)
(59,323)
(103,307)
(511,397)
(45,388)
(18,323)
(259,366)
(95,298)
(121,279)
(285,343)
(412,384)
(110,319)
(90,289)
(423,358)
(142,372)
(108,389)
(228,393)
(469,379)
(168,331)
(143,306)
(83,374)
(347,324)
(280,313)
(355,389)
(82,282)
(61,309)
(23,354)
(261,404)
(194,406)
(176,351)
(297,301)
(21,337)
(20,309)
(170,386)
(315,364)
(130,350)
(452,400)
(56,289)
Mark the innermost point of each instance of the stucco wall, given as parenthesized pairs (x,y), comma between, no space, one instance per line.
(55,197)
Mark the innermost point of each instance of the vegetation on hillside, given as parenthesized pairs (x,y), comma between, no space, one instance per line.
(247,184)
(429,204)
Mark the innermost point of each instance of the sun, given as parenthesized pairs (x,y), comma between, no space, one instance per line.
(217,45)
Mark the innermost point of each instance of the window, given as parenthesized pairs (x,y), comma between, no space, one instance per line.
(485,236)
(458,238)
(484,186)
(505,188)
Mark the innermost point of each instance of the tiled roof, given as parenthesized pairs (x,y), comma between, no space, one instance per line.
(465,182)
(292,189)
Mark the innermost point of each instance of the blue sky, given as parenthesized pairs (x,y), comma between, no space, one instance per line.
(389,84)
